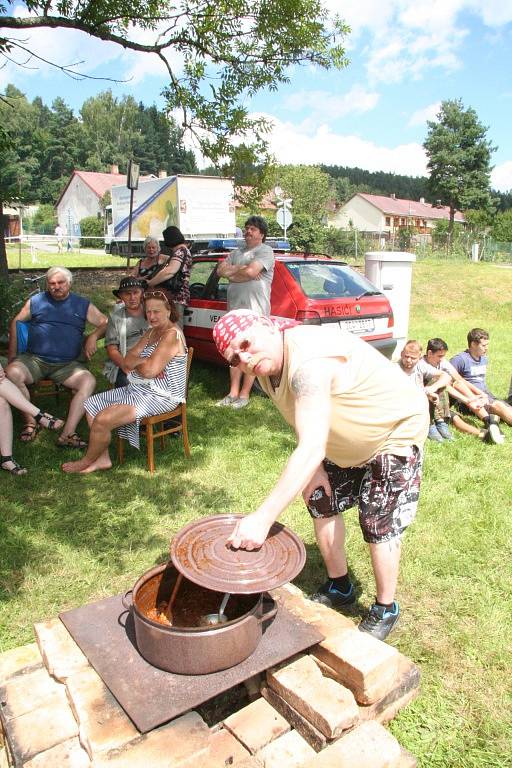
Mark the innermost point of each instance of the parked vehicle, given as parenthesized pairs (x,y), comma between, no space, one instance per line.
(306,287)
(202,207)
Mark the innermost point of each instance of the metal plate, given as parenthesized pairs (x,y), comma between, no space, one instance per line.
(199,551)
(105,632)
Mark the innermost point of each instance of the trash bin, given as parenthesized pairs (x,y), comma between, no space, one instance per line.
(391,271)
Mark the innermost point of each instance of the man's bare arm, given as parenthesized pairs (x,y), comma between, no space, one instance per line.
(23,316)
(311,386)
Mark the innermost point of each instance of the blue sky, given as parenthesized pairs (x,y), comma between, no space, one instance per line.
(405,58)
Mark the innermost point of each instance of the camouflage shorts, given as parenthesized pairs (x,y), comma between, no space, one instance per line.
(386,491)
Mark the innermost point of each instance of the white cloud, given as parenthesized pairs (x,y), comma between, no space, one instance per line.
(421,116)
(501,177)
(357,100)
(296,143)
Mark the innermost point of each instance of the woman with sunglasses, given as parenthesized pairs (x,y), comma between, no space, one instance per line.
(156,384)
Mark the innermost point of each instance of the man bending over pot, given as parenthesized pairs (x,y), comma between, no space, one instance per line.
(360,426)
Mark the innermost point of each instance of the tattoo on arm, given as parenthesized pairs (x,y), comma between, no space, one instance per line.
(303,384)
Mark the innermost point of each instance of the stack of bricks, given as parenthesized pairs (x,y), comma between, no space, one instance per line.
(323,709)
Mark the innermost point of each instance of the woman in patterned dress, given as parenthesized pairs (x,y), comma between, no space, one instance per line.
(156,384)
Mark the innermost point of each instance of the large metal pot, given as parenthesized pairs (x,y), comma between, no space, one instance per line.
(186,647)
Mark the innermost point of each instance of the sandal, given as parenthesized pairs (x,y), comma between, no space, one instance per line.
(50,422)
(16,470)
(71,441)
(29,433)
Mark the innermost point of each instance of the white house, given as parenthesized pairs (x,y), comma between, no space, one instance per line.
(380,214)
(82,195)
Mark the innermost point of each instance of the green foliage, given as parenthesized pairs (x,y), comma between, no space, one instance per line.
(91,227)
(12,295)
(308,186)
(43,222)
(502,227)
(306,234)
(459,158)
(351,180)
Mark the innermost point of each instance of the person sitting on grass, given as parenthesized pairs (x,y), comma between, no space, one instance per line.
(464,398)
(157,376)
(431,380)
(126,325)
(472,367)
(10,395)
(56,349)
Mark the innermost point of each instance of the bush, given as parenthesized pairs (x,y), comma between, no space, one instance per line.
(90,227)
(13,293)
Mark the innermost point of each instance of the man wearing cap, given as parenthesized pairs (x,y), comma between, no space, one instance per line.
(360,427)
(250,270)
(126,325)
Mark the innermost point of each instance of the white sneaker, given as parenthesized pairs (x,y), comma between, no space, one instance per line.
(240,402)
(495,435)
(228,400)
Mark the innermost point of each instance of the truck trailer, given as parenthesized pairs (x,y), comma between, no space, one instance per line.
(202,207)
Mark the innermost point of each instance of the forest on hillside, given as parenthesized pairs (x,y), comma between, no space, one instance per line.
(46,143)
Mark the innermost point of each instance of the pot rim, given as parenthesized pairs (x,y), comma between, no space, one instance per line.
(154,571)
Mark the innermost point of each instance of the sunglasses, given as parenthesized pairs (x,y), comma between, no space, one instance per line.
(157,295)
(235,359)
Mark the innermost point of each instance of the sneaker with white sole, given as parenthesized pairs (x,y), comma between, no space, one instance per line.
(240,402)
(226,401)
(494,435)
(380,620)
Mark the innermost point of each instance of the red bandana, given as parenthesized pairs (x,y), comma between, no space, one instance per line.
(238,320)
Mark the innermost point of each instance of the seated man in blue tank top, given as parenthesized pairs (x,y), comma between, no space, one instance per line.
(56,348)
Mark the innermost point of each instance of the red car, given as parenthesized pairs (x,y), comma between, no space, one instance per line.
(306,287)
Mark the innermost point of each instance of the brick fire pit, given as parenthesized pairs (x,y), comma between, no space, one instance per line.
(322,709)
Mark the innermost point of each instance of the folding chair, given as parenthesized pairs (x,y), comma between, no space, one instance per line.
(164,424)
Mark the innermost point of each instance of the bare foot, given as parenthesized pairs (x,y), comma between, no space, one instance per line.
(100,463)
(75,466)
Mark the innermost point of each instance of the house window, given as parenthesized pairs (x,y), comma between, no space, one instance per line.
(424,224)
(418,223)
(388,221)
(396,221)
(402,222)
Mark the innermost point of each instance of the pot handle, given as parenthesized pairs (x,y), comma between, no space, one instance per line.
(268,614)
(127,605)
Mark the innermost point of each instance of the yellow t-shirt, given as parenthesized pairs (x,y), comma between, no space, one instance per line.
(374,407)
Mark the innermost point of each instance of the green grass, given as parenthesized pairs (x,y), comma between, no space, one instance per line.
(36,258)
(67,540)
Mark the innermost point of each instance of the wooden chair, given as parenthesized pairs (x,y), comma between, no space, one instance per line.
(159,427)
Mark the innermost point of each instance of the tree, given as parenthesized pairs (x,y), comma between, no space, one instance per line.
(309,188)
(459,159)
(502,227)
(225,52)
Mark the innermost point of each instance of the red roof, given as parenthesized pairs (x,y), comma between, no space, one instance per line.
(397,207)
(100,182)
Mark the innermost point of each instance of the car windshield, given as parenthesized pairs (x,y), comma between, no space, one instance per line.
(327,280)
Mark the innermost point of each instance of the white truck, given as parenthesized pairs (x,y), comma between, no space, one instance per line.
(202,207)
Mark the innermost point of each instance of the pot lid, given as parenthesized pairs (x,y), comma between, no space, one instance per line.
(200,553)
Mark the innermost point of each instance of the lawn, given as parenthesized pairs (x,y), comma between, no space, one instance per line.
(67,540)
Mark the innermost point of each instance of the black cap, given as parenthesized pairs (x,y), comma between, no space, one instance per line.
(172,236)
(130,282)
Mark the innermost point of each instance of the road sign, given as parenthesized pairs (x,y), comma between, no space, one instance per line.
(284,217)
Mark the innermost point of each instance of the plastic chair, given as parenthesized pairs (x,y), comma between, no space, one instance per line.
(161,425)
